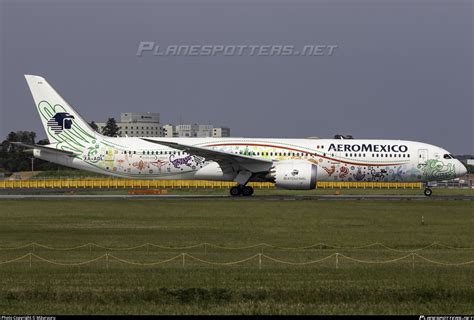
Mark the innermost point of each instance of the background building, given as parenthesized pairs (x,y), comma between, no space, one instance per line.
(147,124)
(149,117)
(195,130)
(221,132)
(138,124)
(169,131)
(204,130)
(187,130)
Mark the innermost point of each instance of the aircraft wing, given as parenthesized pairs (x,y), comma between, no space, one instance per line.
(44,148)
(229,162)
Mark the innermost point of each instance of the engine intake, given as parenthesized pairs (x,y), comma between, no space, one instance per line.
(294,175)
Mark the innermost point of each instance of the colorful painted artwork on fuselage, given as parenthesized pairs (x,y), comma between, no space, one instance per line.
(437,170)
(332,167)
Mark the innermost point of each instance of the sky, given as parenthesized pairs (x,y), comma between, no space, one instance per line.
(401,69)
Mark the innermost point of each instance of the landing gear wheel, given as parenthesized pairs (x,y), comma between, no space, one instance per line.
(428,192)
(235,191)
(247,191)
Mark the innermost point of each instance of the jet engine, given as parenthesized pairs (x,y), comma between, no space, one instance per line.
(294,175)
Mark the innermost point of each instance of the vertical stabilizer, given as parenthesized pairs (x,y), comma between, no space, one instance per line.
(64,127)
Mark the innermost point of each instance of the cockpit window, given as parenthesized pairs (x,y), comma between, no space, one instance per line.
(448,156)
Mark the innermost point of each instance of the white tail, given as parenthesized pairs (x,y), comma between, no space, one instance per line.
(64,127)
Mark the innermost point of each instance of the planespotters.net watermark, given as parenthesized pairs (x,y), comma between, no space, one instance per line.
(444,317)
(150,48)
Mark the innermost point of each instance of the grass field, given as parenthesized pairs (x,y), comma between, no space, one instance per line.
(198,288)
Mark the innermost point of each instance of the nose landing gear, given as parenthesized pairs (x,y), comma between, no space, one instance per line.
(240,190)
(428,190)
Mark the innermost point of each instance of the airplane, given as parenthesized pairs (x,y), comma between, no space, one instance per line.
(294,164)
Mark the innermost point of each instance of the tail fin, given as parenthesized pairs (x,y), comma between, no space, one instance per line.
(63,125)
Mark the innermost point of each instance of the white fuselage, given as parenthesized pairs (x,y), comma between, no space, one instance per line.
(336,160)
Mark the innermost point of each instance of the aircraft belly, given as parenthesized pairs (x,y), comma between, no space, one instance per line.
(212,171)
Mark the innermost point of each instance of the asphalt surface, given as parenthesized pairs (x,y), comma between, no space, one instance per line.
(226,197)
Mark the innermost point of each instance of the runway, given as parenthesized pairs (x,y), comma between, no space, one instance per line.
(230,198)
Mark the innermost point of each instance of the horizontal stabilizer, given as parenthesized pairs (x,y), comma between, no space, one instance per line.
(44,148)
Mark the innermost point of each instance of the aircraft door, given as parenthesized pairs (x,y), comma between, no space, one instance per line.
(422,156)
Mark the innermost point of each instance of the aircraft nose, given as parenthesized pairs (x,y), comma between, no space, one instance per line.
(460,169)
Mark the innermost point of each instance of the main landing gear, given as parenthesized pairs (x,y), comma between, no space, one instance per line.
(240,190)
(428,190)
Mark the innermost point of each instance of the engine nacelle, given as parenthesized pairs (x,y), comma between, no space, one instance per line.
(294,175)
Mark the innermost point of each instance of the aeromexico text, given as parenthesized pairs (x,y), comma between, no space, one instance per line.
(368,147)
